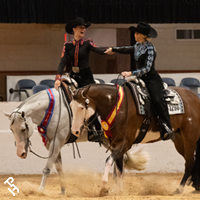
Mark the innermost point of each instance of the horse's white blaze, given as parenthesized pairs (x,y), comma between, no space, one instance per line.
(80,113)
(21,152)
(20,132)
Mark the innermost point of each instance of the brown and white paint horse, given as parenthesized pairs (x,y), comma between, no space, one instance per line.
(102,98)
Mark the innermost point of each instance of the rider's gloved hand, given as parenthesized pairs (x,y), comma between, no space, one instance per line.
(57,84)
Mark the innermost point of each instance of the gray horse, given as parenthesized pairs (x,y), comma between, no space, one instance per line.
(31,112)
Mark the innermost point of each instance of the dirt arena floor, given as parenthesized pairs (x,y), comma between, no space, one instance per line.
(86,186)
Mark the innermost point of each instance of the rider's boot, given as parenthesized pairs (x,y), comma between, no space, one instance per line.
(165,132)
(93,135)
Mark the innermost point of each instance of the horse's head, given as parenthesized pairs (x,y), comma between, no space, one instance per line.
(22,128)
(82,108)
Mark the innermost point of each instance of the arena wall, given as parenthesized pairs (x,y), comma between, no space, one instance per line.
(163,156)
(11,81)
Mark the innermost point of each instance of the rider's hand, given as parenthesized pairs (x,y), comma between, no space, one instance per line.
(109,51)
(126,73)
(57,84)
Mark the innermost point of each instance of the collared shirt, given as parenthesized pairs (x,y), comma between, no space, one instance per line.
(85,46)
(144,56)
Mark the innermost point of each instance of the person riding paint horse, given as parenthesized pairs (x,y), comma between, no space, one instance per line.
(78,52)
(144,55)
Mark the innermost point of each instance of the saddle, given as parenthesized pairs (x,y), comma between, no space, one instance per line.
(68,85)
(144,107)
(143,100)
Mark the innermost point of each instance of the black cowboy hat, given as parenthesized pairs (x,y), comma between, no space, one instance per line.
(76,22)
(145,29)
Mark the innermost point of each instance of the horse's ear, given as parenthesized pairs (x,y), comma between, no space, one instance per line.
(74,92)
(23,114)
(85,91)
(6,114)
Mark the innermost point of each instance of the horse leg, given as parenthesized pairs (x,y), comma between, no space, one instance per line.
(118,168)
(59,169)
(188,154)
(119,171)
(109,162)
(51,160)
(195,178)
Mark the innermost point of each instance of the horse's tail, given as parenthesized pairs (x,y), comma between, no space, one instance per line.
(136,160)
(195,175)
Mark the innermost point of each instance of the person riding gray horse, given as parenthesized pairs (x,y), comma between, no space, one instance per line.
(77,52)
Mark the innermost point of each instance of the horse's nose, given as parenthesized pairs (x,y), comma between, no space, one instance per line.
(75,132)
(23,155)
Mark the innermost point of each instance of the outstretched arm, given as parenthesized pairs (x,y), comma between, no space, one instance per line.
(109,51)
(124,50)
(95,48)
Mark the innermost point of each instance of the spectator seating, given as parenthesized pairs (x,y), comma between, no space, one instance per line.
(38,88)
(169,81)
(98,80)
(118,81)
(24,85)
(190,83)
(48,82)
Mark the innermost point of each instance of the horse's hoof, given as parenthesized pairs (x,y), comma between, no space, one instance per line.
(179,190)
(196,192)
(41,189)
(103,192)
(176,191)
(62,192)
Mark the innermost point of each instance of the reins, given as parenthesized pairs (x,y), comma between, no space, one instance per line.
(28,140)
(86,125)
(70,125)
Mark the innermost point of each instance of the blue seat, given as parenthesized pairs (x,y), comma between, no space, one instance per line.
(38,88)
(48,82)
(101,81)
(24,85)
(190,83)
(118,81)
(169,81)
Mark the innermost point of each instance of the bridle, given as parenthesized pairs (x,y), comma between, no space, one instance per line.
(28,142)
(85,123)
(87,101)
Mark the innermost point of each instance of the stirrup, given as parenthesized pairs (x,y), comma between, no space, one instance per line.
(167,132)
(166,136)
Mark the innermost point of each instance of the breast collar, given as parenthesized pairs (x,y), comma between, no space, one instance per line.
(107,124)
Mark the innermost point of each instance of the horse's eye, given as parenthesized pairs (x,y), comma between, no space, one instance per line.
(23,130)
